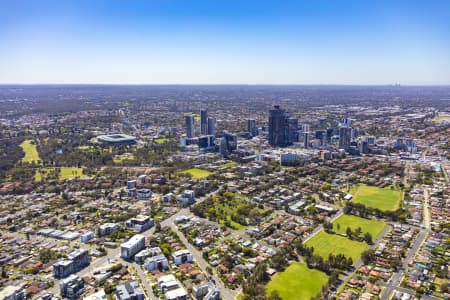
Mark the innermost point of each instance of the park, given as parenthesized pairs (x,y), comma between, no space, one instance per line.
(297,282)
(385,199)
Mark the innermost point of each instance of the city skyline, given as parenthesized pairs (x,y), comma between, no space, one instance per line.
(158,42)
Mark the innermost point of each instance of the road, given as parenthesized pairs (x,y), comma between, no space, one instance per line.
(396,278)
(359,262)
(426,209)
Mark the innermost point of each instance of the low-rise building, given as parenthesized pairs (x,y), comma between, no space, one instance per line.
(71,287)
(135,244)
(86,237)
(182,256)
(129,291)
(108,228)
(140,223)
(12,292)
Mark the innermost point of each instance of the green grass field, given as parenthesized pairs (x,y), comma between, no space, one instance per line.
(325,243)
(161,141)
(441,118)
(197,173)
(297,282)
(119,159)
(230,164)
(31,153)
(385,199)
(374,227)
(65,173)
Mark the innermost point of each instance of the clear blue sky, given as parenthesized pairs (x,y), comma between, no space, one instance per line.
(214,41)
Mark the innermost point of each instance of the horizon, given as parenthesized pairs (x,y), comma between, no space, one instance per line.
(233,43)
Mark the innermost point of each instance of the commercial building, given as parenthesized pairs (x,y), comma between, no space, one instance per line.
(129,291)
(204,122)
(117,139)
(345,137)
(211,126)
(140,223)
(190,126)
(71,287)
(251,127)
(228,143)
(283,129)
(206,143)
(135,244)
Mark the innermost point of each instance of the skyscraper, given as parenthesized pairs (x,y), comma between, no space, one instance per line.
(189,119)
(277,130)
(345,137)
(204,121)
(251,126)
(282,128)
(291,131)
(228,143)
(212,126)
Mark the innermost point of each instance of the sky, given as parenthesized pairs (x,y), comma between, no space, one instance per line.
(225,42)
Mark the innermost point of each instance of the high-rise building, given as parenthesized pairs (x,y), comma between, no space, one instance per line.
(277,127)
(189,119)
(306,138)
(206,143)
(228,143)
(282,128)
(345,137)
(251,127)
(211,126)
(204,121)
(291,131)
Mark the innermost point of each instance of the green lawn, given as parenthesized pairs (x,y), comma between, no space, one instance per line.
(441,118)
(161,141)
(230,164)
(374,227)
(121,158)
(31,153)
(385,199)
(325,243)
(197,173)
(65,173)
(297,282)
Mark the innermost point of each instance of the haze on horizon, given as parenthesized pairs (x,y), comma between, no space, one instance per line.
(229,42)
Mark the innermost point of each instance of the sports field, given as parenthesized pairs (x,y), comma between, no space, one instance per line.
(297,282)
(65,173)
(31,153)
(197,173)
(442,118)
(374,227)
(161,141)
(325,243)
(386,199)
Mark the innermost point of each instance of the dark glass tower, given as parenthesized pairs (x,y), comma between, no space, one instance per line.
(204,121)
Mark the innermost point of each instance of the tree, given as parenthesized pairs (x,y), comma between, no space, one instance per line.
(274,296)
(368,238)
(349,232)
